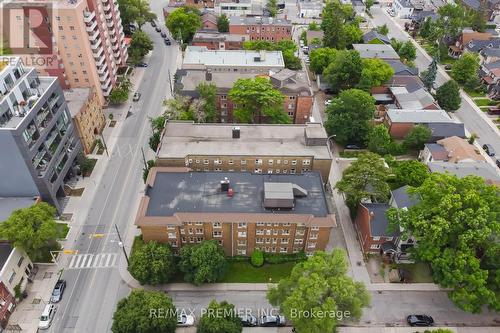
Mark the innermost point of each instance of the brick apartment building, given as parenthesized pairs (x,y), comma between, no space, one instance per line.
(261,28)
(85,38)
(214,40)
(293,85)
(265,149)
(241,211)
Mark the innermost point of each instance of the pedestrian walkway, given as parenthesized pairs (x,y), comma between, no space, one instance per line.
(101,260)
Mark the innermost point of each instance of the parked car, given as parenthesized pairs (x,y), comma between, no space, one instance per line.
(153,24)
(328,102)
(141,64)
(164,34)
(167,41)
(447,67)
(58,291)
(494,110)
(301,43)
(47,316)
(497,161)
(353,146)
(185,320)
(489,149)
(158,29)
(272,321)
(420,320)
(248,320)
(137,97)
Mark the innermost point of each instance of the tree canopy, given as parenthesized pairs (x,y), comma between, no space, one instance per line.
(406,50)
(223,23)
(382,29)
(456,226)
(257,100)
(140,312)
(344,71)
(135,11)
(120,93)
(208,96)
(465,67)
(220,318)
(33,229)
(417,137)
(140,45)
(320,284)
(448,96)
(429,76)
(408,172)
(379,141)
(339,24)
(203,262)
(152,263)
(321,58)
(375,73)
(287,47)
(349,116)
(184,22)
(365,178)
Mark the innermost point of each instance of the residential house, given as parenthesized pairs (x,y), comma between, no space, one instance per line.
(293,84)
(241,211)
(489,55)
(7,304)
(209,21)
(445,130)
(403,8)
(314,35)
(381,51)
(15,269)
(401,121)
(478,45)
(400,68)
(214,40)
(452,150)
(490,74)
(419,99)
(310,9)
(261,28)
(266,149)
(372,226)
(373,37)
(455,50)
(481,169)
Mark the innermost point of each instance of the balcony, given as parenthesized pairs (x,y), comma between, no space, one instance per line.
(108,15)
(96,44)
(113,39)
(98,52)
(100,61)
(106,6)
(43,117)
(41,160)
(103,78)
(91,26)
(102,69)
(93,35)
(88,16)
(106,91)
(112,32)
(110,24)
(106,84)
(53,101)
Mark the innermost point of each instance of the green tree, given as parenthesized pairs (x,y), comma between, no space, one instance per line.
(184,22)
(147,167)
(382,29)
(448,96)
(417,137)
(365,178)
(408,172)
(256,100)
(220,318)
(451,21)
(272,7)
(465,67)
(375,73)
(344,71)
(139,312)
(208,96)
(407,51)
(152,263)
(429,76)
(368,5)
(135,11)
(426,27)
(33,229)
(287,47)
(120,93)
(140,45)
(477,21)
(204,262)
(456,225)
(223,23)
(339,25)
(314,26)
(379,140)
(320,284)
(257,258)
(349,116)
(321,58)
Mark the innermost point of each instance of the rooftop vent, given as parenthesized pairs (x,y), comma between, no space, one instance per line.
(224,185)
(282,195)
(236,132)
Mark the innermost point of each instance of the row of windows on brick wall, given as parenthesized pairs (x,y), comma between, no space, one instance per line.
(258,161)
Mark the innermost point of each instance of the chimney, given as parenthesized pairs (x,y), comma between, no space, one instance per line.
(224,184)
(236,132)
(208,75)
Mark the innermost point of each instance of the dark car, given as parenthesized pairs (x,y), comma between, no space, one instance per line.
(497,161)
(447,67)
(163,34)
(153,24)
(489,149)
(272,321)
(58,291)
(248,320)
(142,64)
(167,41)
(158,29)
(353,146)
(420,320)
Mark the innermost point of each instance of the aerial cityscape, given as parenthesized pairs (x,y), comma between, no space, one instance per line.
(228,166)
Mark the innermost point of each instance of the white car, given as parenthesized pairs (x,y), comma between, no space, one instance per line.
(185,320)
(47,316)
(328,102)
(301,43)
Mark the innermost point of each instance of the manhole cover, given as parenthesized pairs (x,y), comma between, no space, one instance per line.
(47,275)
(36,301)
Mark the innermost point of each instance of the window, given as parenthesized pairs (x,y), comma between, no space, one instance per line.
(306,162)
(199,223)
(287,224)
(219,242)
(313,235)
(270,171)
(283,249)
(197,161)
(242,225)
(270,162)
(242,234)
(190,231)
(259,240)
(311,245)
(199,231)
(275,240)
(285,232)
(268,240)
(218,169)
(224,105)
(257,171)
(182,231)
(243,162)
(205,161)
(284,240)
(72,27)
(199,239)
(389,239)
(285,171)
(217,233)
(278,161)
(292,171)
(376,238)
(217,225)
(298,241)
(285,162)
(242,252)
(183,239)
(172,235)
(275,232)
(20,262)
(294,162)
(242,242)
(230,162)
(260,224)
(12,276)
(375,246)
(259,232)
(277,171)
(173,243)
(291,97)
(258,161)
(223,97)
(314,228)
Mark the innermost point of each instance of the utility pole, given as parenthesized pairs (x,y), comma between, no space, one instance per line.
(170,83)
(104,144)
(121,244)
(144,159)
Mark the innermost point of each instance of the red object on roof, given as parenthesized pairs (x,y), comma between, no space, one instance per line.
(230,192)
(127,40)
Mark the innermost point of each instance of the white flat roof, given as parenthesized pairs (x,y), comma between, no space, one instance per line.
(232,58)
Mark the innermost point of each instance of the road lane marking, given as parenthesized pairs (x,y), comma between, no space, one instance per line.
(100,260)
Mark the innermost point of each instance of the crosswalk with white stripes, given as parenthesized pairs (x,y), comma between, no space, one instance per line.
(101,260)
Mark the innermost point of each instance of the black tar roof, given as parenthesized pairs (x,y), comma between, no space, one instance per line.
(189,192)
(378,221)
(5,250)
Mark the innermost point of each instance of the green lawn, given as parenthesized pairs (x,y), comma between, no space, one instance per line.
(473,93)
(62,230)
(485,102)
(419,272)
(244,272)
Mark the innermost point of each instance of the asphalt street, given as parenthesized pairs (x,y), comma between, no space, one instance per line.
(92,293)
(473,121)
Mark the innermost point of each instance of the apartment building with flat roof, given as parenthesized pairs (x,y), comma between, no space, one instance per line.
(261,149)
(214,40)
(199,57)
(298,98)
(242,211)
(261,27)
(85,37)
(37,139)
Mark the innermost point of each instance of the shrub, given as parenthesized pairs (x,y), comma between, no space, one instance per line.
(271,258)
(257,259)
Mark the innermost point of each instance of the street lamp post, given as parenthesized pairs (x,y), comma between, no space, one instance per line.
(121,244)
